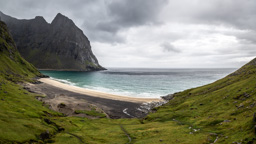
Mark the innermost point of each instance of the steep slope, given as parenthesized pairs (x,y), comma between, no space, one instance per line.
(60,45)
(20,113)
(12,65)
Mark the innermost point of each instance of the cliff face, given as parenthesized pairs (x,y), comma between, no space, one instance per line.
(60,45)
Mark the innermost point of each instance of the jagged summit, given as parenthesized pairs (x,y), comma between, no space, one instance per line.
(61,20)
(60,45)
(40,18)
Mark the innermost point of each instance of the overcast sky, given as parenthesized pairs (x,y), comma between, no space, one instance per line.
(156,33)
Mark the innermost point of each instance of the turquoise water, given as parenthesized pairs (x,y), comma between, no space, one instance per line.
(151,83)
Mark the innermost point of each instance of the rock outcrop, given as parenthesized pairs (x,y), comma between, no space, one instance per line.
(60,45)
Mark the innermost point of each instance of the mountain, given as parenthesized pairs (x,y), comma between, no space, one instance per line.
(60,45)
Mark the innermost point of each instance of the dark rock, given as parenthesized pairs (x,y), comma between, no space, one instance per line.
(61,105)
(56,45)
(48,121)
(60,129)
(44,135)
(254,117)
(168,97)
(254,129)
(213,134)
(43,76)
(201,104)
(226,121)
(36,82)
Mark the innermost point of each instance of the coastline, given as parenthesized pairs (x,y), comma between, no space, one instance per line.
(68,99)
(94,93)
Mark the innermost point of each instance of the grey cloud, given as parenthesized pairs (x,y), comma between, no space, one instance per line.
(247,37)
(125,14)
(167,47)
(239,13)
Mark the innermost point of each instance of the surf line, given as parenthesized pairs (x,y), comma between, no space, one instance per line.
(125,112)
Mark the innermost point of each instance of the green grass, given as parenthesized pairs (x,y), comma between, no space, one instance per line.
(21,115)
(93,113)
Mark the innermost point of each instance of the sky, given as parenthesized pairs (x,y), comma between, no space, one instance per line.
(156,33)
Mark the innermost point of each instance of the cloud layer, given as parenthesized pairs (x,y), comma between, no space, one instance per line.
(156,33)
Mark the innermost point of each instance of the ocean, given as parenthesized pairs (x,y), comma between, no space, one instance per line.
(140,82)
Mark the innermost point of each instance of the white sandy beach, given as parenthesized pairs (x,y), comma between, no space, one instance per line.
(94,93)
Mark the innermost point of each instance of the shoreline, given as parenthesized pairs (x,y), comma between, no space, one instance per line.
(68,99)
(94,93)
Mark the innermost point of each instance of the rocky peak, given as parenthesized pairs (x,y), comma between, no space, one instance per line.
(40,19)
(61,21)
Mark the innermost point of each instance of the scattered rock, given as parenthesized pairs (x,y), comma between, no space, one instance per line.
(5,92)
(201,104)
(161,140)
(246,95)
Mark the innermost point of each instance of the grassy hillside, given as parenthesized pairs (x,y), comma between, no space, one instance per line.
(21,115)
(221,112)
(12,66)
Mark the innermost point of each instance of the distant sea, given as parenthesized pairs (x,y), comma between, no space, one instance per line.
(140,82)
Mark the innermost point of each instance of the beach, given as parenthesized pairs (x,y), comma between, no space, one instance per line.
(76,98)
(95,93)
